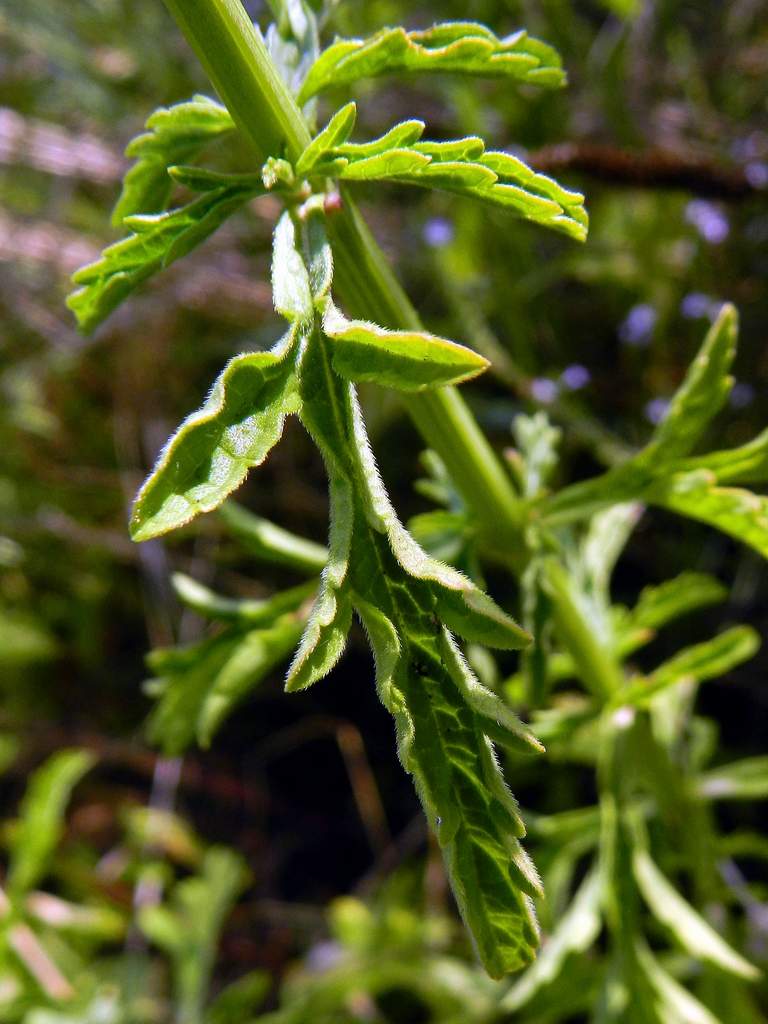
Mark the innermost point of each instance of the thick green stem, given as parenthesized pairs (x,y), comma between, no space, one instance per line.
(233,54)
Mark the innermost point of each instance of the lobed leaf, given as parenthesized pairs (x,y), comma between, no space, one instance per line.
(404,360)
(443,715)
(461,166)
(688,927)
(462,47)
(175,134)
(157,241)
(213,449)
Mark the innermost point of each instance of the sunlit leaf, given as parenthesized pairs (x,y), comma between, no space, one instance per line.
(404,360)
(689,928)
(175,135)
(157,241)
(210,454)
(461,166)
(463,47)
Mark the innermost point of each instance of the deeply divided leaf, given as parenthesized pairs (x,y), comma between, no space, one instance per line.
(157,241)
(457,47)
(461,166)
(174,135)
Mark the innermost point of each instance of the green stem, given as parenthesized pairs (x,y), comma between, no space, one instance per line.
(597,666)
(233,54)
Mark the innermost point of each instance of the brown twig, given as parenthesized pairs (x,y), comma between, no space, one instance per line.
(655,169)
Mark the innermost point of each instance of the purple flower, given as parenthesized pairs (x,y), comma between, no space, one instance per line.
(742,395)
(575,377)
(756,174)
(697,305)
(708,219)
(638,325)
(438,232)
(656,410)
(544,390)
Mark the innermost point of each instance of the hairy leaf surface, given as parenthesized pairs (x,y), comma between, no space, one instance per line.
(403,360)
(174,135)
(462,166)
(157,241)
(213,449)
(463,47)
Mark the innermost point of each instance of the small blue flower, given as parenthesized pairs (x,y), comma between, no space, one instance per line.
(575,377)
(708,219)
(696,305)
(544,390)
(656,410)
(637,327)
(438,232)
(742,395)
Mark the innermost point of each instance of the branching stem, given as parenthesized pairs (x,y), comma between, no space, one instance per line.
(234,55)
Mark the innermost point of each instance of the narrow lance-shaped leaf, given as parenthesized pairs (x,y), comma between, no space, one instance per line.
(42,813)
(158,240)
(272,543)
(733,510)
(700,397)
(740,780)
(575,932)
(463,47)
(688,927)
(404,360)
(175,135)
(703,661)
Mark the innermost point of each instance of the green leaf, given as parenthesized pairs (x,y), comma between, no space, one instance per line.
(537,440)
(575,933)
(335,134)
(240,1000)
(404,360)
(461,166)
(271,543)
(175,134)
(41,819)
(673,1003)
(733,510)
(700,397)
(688,927)
(158,240)
(740,780)
(661,604)
(443,715)
(703,661)
(745,465)
(210,454)
(200,685)
(189,927)
(258,652)
(463,47)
